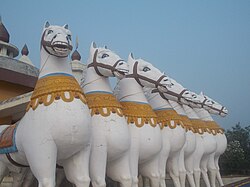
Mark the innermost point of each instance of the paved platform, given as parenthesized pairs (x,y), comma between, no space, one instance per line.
(228,181)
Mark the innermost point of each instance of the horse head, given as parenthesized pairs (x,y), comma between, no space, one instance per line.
(213,107)
(195,101)
(177,93)
(106,62)
(56,40)
(147,75)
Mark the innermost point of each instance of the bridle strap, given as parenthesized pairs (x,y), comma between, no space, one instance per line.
(96,64)
(179,96)
(218,110)
(160,93)
(221,110)
(138,77)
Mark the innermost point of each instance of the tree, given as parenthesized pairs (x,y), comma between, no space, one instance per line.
(236,159)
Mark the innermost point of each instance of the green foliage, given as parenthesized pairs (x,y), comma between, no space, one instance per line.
(236,159)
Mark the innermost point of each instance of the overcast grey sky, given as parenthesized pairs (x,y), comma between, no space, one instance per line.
(204,45)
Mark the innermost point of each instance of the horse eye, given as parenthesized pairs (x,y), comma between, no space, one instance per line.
(145,69)
(105,55)
(50,31)
(69,37)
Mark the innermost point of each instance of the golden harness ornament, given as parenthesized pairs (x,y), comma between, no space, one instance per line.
(139,114)
(214,127)
(103,104)
(166,116)
(198,125)
(55,87)
(187,123)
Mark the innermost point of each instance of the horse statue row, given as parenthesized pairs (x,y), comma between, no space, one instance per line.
(151,123)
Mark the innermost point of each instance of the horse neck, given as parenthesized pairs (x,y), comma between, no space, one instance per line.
(190,112)
(51,64)
(130,90)
(203,114)
(177,107)
(157,102)
(96,83)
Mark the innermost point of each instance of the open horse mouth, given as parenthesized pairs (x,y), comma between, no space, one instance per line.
(60,47)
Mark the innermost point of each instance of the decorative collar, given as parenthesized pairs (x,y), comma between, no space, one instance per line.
(139,114)
(56,87)
(165,116)
(103,103)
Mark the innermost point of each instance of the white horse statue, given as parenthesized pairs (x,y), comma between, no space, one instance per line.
(146,141)
(110,134)
(206,143)
(214,107)
(56,126)
(172,126)
(182,138)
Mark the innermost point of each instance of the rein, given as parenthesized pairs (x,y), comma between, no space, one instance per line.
(179,96)
(137,77)
(218,110)
(96,64)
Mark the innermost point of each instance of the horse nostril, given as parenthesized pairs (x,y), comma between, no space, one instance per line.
(172,84)
(121,63)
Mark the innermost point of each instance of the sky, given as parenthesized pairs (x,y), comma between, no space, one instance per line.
(204,45)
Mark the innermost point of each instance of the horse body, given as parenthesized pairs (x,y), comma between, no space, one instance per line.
(173,137)
(110,134)
(216,108)
(146,141)
(186,161)
(56,126)
(187,141)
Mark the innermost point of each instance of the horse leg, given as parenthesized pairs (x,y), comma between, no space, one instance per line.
(164,154)
(77,168)
(189,165)
(195,159)
(182,168)
(42,161)
(98,162)
(218,175)
(150,170)
(173,169)
(193,170)
(204,163)
(119,170)
(212,170)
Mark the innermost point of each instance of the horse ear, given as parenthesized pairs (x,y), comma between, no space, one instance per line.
(202,93)
(46,25)
(93,45)
(131,56)
(66,26)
